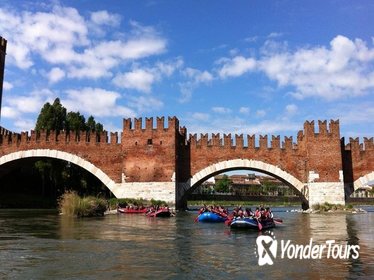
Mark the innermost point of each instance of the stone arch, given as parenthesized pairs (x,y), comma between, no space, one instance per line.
(105,179)
(255,165)
(363,181)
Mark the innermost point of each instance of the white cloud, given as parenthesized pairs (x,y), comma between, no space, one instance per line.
(353,113)
(7,85)
(56,74)
(260,113)
(143,79)
(40,32)
(244,110)
(96,101)
(105,18)
(200,116)
(269,127)
(31,103)
(24,124)
(195,78)
(236,66)
(168,68)
(221,110)
(251,39)
(144,104)
(275,35)
(61,37)
(138,79)
(291,109)
(343,70)
(9,112)
(235,125)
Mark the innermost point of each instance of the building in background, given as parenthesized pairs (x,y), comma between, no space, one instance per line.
(247,185)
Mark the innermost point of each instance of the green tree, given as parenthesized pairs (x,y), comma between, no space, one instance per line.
(99,128)
(51,117)
(91,125)
(223,185)
(58,176)
(75,122)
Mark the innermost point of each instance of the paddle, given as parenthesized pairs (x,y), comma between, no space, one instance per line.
(259,224)
(278,221)
(228,221)
(197,218)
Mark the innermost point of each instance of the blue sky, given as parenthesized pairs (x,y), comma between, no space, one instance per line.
(251,67)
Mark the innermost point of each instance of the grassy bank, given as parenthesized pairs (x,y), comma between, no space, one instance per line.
(195,203)
(114,202)
(71,204)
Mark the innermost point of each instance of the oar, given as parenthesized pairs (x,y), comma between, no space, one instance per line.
(228,221)
(197,218)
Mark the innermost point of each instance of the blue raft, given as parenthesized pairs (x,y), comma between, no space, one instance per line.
(251,223)
(210,217)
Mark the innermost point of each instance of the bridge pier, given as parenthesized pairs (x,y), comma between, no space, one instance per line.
(330,192)
(146,190)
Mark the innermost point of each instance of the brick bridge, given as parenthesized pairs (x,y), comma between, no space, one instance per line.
(159,161)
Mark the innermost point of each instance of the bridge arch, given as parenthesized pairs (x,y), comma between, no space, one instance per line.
(363,181)
(254,165)
(56,154)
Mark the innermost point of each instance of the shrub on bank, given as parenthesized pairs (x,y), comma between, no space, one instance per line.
(325,207)
(123,202)
(71,204)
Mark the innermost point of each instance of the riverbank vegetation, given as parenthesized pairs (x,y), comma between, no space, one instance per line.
(325,207)
(71,204)
(113,203)
(334,208)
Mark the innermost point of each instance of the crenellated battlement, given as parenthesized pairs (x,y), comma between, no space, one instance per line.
(355,144)
(78,137)
(227,141)
(323,130)
(138,125)
(4,131)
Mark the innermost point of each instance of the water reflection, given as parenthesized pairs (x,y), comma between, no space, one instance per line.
(45,245)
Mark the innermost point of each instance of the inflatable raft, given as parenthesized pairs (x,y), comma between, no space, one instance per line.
(210,217)
(251,223)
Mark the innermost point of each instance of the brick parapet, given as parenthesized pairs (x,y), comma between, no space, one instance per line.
(357,146)
(150,150)
(81,137)
(358,158)
(227,141)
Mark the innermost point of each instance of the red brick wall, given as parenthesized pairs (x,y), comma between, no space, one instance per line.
(94,149)
(323,150)
(149,152)
(320,152)
(358,158)
(153,152)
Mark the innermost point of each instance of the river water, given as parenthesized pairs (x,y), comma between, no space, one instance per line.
(39,244)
